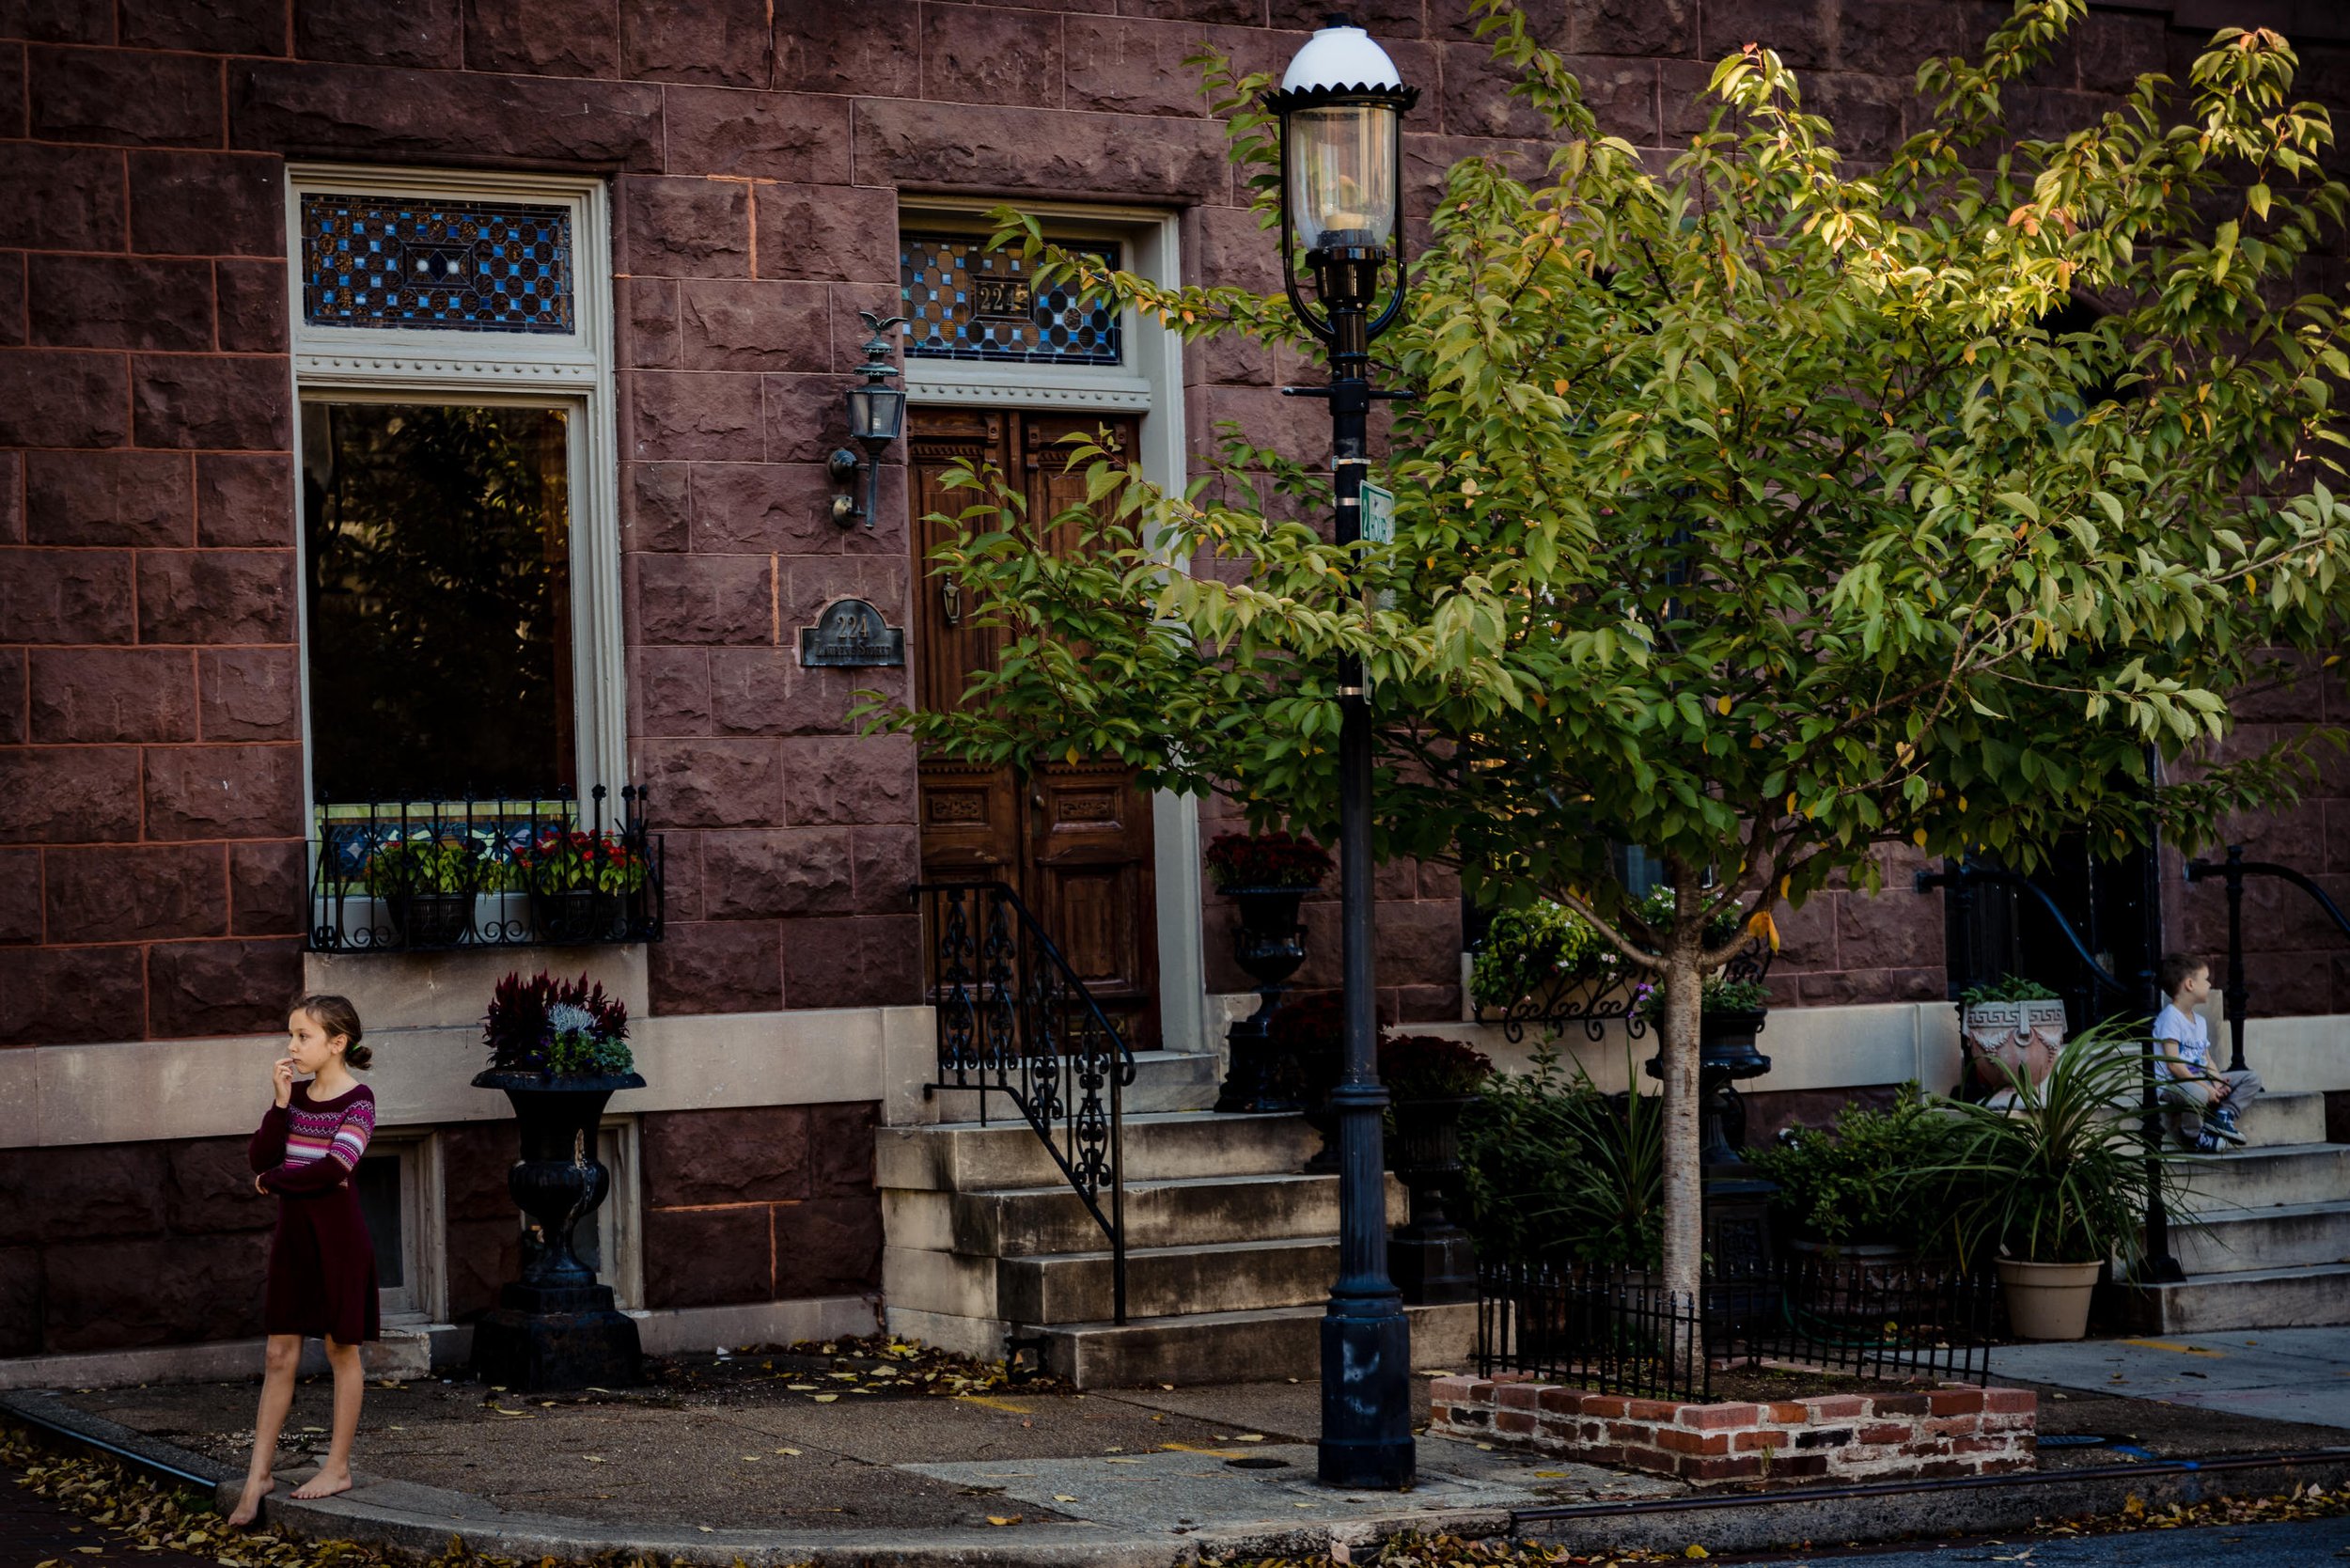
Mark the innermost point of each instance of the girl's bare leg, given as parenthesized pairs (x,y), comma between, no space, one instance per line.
(283,1359)
(350,1382)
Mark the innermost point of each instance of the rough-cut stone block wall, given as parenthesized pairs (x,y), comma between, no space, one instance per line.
(1958,1430)
(2295,960)
(116,1245)
(149,753)
(760,1205)
(149,870)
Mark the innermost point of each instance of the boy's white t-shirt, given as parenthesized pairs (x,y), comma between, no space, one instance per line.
(2189,1035)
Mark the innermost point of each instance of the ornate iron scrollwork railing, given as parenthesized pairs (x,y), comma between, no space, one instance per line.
(1592,997)
(424,876)
(1014,1019)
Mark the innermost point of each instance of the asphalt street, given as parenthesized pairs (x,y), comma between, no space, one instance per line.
(2304,1543)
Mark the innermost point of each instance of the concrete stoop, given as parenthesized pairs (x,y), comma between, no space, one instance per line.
(1231,1248)
(2272,1245)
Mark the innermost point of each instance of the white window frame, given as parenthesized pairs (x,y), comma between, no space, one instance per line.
(423,1227)
(619,1214)
(1150,384)
(574,370)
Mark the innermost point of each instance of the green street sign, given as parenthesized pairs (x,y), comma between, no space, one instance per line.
(1378,514)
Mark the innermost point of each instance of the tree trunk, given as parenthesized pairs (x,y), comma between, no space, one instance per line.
(1677,1044)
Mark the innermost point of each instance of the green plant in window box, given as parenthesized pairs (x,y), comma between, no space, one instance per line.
(579,881)
(429,885)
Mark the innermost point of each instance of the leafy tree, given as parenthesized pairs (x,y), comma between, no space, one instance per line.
(1760,512)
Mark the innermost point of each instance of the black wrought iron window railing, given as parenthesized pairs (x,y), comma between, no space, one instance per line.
(409,876)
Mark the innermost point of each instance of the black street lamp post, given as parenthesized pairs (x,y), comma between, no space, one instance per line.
(1341,107)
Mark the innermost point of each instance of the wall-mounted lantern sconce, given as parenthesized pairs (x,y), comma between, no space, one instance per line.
(877,415)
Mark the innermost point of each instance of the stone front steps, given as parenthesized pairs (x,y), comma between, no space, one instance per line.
(1164,1081)
(2273,1247)
(1231,1248)
(1236,1347)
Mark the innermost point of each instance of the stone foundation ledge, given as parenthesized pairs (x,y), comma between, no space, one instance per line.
(1956,1429)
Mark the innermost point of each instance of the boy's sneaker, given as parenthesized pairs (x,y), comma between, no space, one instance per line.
(2206,1142)
(2223,1127)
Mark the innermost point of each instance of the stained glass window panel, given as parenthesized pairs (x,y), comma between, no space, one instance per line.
(965,302)
(446,266)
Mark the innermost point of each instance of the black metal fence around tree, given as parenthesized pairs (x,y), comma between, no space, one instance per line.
(1615,1331)
(395,877)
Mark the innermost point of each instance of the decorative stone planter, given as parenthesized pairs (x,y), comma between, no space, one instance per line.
(558,1327)
(1430,1258)
(2024,1035)
(1953,1431)
(1269,944)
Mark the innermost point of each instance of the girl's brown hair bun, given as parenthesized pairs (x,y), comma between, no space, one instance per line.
(337,1016)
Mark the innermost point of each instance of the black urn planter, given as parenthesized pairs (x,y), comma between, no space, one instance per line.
(1269,944)
(556,1328)
(1430,1258)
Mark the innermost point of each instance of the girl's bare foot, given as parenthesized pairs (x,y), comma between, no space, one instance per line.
(324,1484)
(249,1502)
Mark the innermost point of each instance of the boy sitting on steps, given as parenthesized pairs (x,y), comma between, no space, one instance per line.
(2208,1103)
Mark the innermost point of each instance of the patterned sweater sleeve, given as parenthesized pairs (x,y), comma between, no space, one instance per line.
(267,1151)
(342,1156)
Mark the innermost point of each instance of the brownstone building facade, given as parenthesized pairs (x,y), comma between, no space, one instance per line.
(738,180)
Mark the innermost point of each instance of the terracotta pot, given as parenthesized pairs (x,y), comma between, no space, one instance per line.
(2047,1301)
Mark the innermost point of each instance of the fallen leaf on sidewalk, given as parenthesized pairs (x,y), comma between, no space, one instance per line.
(1004,1518)
(592,1458)
(1063,1496)
(793,1453)
(823,1399)
(1249,1437)
(801,1387)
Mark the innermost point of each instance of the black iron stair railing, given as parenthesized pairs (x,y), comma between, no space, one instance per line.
(2231,872)
(2156,1265)
(1014,1019)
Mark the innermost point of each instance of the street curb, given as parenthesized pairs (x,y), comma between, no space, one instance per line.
(416,1518)
(1792,1520)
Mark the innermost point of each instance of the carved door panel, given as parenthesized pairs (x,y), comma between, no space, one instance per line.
(1075,839)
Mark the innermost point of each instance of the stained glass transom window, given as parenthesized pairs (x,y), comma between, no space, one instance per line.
(446,266)
(965,302)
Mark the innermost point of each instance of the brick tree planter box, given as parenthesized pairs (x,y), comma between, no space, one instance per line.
(1957,1431)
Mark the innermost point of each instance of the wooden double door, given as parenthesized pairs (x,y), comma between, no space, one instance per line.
(1074,838)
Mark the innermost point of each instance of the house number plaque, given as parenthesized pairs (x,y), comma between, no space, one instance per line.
(1002,296)
(851,634)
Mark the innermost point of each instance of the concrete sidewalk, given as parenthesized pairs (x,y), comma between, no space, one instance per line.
(2299,1375)
(780,1461)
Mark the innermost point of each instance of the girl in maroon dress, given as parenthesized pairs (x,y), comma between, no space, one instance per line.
(322,1263)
